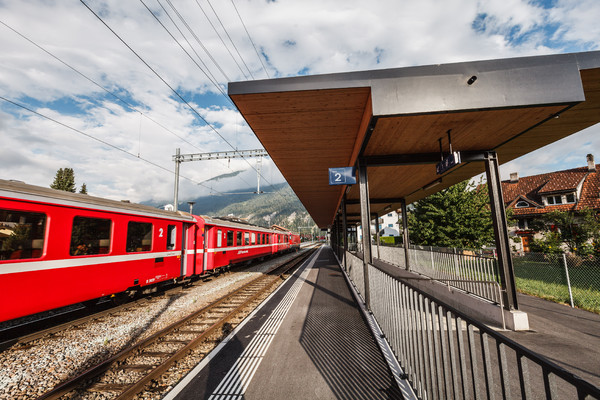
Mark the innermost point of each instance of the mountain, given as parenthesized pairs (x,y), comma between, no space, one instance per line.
(278,205)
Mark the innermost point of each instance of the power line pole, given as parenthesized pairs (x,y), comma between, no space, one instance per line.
(219,155)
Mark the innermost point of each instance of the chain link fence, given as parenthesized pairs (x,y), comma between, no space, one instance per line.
(563,278)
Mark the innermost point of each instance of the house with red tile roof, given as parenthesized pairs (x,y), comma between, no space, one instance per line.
(532,196)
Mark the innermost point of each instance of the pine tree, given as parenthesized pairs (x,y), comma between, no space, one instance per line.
(83,189)
(64,180)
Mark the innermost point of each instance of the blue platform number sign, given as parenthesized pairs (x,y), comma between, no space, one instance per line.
(342,176)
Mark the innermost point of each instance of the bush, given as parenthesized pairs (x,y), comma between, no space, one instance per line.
(390,240)
(549,244)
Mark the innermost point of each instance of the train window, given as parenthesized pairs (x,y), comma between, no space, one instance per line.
(21,234)
(253,238)
(229,238)
(139,236)
(171,237)
(90,236)
(219,238)
(246,238)
(239,238)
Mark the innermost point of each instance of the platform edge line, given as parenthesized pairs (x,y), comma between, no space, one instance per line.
(173,393)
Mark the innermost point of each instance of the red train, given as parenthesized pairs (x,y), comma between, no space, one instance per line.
(59,248)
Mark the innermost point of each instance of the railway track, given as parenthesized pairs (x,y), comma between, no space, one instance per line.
(134,369)
(57,321)
(38,328)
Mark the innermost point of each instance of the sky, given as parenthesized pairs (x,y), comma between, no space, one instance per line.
(112,88)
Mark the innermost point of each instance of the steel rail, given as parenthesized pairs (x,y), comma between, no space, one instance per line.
(133,388)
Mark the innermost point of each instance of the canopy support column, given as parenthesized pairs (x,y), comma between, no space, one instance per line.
(345,230)
(505,265)
(377,236)
(365,220)
(405,238)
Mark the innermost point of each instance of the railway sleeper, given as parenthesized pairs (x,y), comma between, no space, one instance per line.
(136,367)
(175,341)
(156,353)
(108,387)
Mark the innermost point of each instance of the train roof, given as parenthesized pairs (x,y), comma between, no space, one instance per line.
(234,223)
(26,192)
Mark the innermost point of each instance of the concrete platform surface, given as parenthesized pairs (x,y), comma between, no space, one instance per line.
(567,336)
(308,341)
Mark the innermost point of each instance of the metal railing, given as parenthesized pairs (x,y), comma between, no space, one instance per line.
(447,355)
(472,273)
(464,270)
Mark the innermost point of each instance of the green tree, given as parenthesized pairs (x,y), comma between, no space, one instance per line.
(64,180)
(83,189)
(458,216)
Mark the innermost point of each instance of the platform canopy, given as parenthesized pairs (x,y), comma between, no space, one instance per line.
(395,119)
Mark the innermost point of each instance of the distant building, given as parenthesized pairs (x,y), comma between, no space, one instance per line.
(387,225)
(532,196)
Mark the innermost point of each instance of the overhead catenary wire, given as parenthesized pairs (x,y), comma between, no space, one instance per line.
(169,86)
(227,33)
(222,41)
(250,38)
(116,96)
(214,80)
(104,142)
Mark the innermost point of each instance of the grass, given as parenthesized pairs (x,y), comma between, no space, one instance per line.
(548,281)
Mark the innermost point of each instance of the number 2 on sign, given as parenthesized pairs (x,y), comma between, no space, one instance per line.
(338,177)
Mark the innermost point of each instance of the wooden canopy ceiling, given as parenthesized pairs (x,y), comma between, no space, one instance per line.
(309,124)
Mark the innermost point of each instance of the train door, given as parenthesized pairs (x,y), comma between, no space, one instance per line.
(206,236)
(189,249)
(199,265)
(183,241)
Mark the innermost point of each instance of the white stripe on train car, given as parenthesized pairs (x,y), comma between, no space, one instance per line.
(29,266)
(190,252)
(219,249)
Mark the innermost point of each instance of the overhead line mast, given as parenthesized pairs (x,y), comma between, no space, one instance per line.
(216,155)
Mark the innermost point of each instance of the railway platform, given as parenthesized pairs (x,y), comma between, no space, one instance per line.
(309,340)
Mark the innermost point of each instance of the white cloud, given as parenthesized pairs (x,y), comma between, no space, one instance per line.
(297,37)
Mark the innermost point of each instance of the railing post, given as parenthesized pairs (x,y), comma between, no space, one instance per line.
(455,262)
(564,257)
(432,263)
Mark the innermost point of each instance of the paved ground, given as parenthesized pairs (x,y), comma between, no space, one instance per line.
(322,349)
(569,337)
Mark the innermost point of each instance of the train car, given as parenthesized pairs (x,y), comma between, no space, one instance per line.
(281,241)
(59,248)
(294,241)
(232,241)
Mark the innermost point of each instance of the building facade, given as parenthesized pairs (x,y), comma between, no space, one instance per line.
(532,196)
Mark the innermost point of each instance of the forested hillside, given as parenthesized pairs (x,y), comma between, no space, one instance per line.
(277,205)
(280,207)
